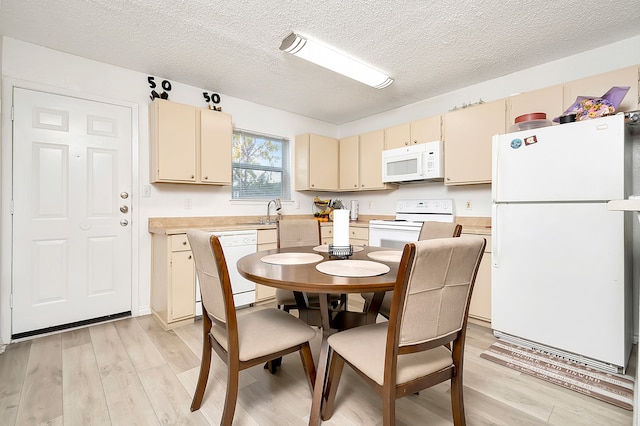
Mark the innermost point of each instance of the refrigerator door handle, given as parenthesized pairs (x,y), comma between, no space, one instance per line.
(495,251)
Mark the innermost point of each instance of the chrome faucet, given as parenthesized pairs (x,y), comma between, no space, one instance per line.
(278,206)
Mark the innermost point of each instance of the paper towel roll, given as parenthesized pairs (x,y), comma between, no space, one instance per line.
(341,228)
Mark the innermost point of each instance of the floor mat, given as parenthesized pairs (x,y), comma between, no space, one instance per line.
(612,388)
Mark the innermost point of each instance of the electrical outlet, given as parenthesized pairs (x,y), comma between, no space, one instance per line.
(146,191)
(187,203)
(468,205)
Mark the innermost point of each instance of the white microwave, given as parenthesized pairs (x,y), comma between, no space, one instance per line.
(418,162)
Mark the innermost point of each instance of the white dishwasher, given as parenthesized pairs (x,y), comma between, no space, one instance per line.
(235,244)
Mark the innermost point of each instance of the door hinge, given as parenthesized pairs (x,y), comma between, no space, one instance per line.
(11,301)
(12,113)
(11,207)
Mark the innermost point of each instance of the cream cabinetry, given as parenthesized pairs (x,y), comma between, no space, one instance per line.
(426,130)
(468,133)
(397,136)
(359,236)
(189,144)
(419,131)
(548,100)
(598,85)
(267,240)
(326,232)
(361,162)
(172,280)
(480,307)
(349,164)
(316,163)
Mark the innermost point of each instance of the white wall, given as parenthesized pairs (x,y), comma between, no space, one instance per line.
(45,69)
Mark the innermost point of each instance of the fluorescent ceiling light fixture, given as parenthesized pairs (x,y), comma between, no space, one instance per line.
(324,56)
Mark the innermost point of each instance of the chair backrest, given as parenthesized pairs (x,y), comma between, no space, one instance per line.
(431,230)
(435,283)
(213,275)
(298,232)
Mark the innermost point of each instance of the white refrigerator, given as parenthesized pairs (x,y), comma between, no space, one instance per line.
(561,262)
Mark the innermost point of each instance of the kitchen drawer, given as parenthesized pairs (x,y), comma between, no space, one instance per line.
(326,231)
(359,233)
(180,242)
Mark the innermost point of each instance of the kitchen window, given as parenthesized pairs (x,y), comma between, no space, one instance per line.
(260,168)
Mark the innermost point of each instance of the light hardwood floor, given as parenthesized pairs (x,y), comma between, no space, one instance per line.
(131,372)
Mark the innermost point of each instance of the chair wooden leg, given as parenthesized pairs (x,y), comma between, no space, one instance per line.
(232,393)
(333,379)
(388,410)
(308,365)
(457,401)
(205,363)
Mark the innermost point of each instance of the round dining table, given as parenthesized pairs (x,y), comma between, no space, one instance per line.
(265,268)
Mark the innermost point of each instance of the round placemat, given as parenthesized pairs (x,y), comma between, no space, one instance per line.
(352,268)
(386,256)
(324,248)
(292,258)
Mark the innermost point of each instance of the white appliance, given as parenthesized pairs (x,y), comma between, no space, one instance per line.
(235,244)
(412,163)
(409,217)
(560,273)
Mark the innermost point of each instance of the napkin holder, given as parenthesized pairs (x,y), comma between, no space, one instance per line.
(340,252)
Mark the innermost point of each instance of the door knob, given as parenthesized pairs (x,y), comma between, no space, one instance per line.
(124,222)
(124,209)
(124,195)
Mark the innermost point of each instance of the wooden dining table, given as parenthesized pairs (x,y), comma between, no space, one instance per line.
(305,278)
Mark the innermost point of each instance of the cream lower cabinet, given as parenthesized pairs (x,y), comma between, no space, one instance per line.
(468,135)
(480,307)
(326,232)
(172,280)
(359,236)
(267,240)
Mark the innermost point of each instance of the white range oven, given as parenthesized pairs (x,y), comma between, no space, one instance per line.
(410,214)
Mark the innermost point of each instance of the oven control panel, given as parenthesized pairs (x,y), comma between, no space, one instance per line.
(439,206)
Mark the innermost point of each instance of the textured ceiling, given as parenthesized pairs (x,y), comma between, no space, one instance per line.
(231,47)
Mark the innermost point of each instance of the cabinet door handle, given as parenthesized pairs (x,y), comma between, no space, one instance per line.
(184,243)
(192,176)
(189,257)
(206,177)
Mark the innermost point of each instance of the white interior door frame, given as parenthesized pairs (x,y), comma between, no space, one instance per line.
(6,185)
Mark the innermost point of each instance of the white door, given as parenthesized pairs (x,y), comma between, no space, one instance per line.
(559,278)
(71,210)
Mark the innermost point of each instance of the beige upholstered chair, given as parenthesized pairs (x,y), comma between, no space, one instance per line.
(244,341)
(429,231)
(422,344)
(298,233)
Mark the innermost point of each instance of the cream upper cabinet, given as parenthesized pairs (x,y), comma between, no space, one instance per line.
(420,131)
(468,133)
(349,164)
(189,144)
(426,130)
(598,85)
(316,166)
(216,132)
(172,131)
(548,100)
(370,154)
(397,136)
